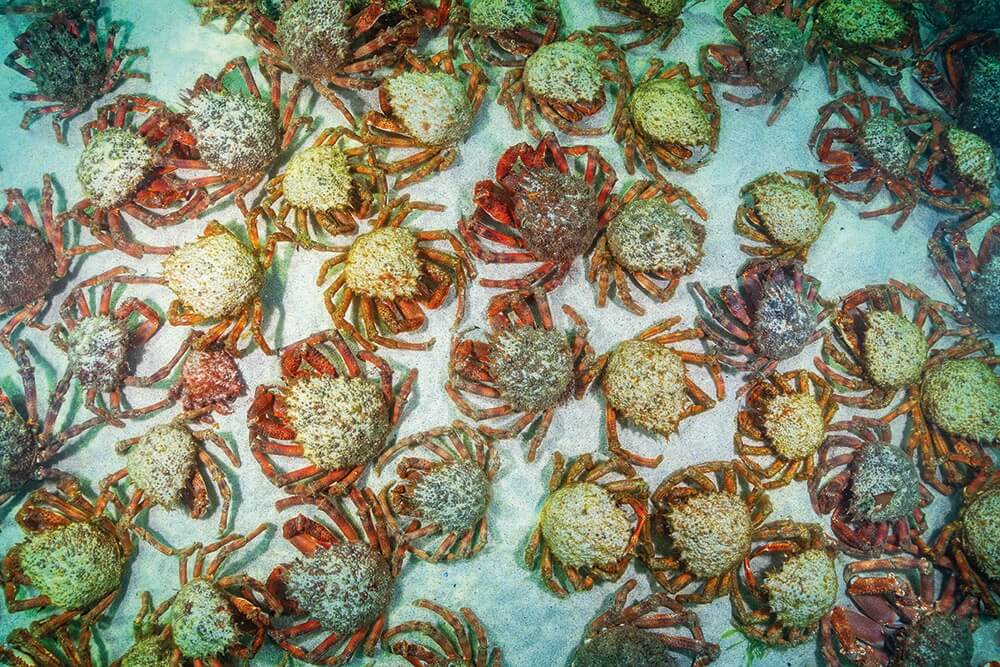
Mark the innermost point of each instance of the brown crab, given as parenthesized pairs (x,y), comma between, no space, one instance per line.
(209,378)
(786,213)
(526,366)
(564,82)
(645,381)
(900,618)
(625,631)
(650,241)
(583,529)
(341,587)
(973,278)
(711,515)
(772,315)
(506,31)
(470,645)
(654,19)
(770,53)
(879,349)
(541,208)
(449,494)
(784,604)
(327,414)
(671,117)
(785,419)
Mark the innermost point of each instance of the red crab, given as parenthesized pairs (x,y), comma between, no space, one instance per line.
(209,378)
(330,415)
(772,315)
(526,366)
(974,278)
(541,209)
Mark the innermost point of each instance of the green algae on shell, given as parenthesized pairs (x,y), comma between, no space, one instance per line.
(453,495)
(644,382)
(383,264)
(97,352)
(894,349)
(315,37)
(27,266)
(583,526)
(981,531)
(74,565)
(318,179)
(668,111)
(982,295)
(237,134)
(774,48)
(885,142)
(665,10)
(972,157)
(804,589)
(935,639)
(650,235)
(860,23)
(794,425)
(962,397)
(18,449)
(711,531)
(531,367)
(789,211)
(624,645)
(202,620)
(498,15)
(340,422)
(161,462)
(113,165)
(148,652)
(432,106)
(567,72)
(885,485)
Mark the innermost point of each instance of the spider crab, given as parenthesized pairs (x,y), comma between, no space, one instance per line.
(327,413)
(123,170)
(233,10)
(625,631)
(34,255)
(772,315)
(770,53)
(425,105)
(209,379)
(583,529)
(645,381)
(448,494)
(506,31)
(877,149)
(169,465)
(650,240)
(97,339)
(393,274)
(74,558)
(787,213)
(785,419)
(960,172)
(973,278)
(879,349)
(69,68)
(564,82)
(236,137)
(900,617)
(341,587)
(654,19)
(330,45)
(671,117)
(526,366)
(711,514)
(470,645)
(783,600)
(542,208)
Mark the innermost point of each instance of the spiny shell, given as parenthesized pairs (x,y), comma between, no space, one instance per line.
(667,112)
(557,212)
(148,652)
(665,10)
(383,263)
(783,321)
(981,531)
(432,106)
(210,377)
(962,397)
(237,134)
(711,531)
(804,589)
(887,145)
(980,112)
(161,463)
(567,71)
(775,51)
(972,157)
(113,165)
(644,382)
(884,484)
(202,620)
(18,450)
(98,352)
(497,15)
(315,37)
(861,22)
(27,266)
(982,296)
(624,645)
(452,495)
(793,424)
(584,526)
(893,349)
(790,211)
(935,639)
(318,179)
(650,235)
(532,367)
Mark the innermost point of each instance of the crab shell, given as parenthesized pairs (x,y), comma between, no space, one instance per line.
(774,48)
(432,106)
(645,383)
(318,179)
(315,37)
(532,367)
(202,620)
(453,495)
(979,112)
(624,645)
(238,135)
(789,211)
(666,111)
(894,350)
(712,532)
(584,526)
(384,264)
(98,352)
(861,23)
(650,235)
(501,15)
(804,589)
(18,449)
(27,266)
(567,72)
(962,397)
(113,166)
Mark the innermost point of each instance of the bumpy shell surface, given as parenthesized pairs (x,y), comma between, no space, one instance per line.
(315,37)
(894,349)
(804,589)
(113,165)
(532,367)
(962,397)
(711,531)
(584,526)
(432,106)
(644,382)
(202,620)
(650,235)
(27,266)
(565,72)
(383,263)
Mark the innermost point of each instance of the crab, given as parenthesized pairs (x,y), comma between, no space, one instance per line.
(331,416)
(329,45)
(326,187)
(626,634)
(61,56)
(71,648)
(74,559)
(526,366)
(393,274)
(341,587)
(785,420)
(564,81)
(654,19)
(233,10)
(867,36)
(786,212)
(210,379)
(649,241)
(425,105)
(236,136)
(969,544)
(900,618)
(34,256)
(711,515)
(784,604)
(878,150)
(671,117)
(965,165)
(974,279)
(542,208)
(28,443)
(645,381)
(772,315)
(449,494)
(583,529)
(151,644)
(122,171)
(879,349)
(506,31)
(468,647)
(770,54)
(162,466)
(97,339)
